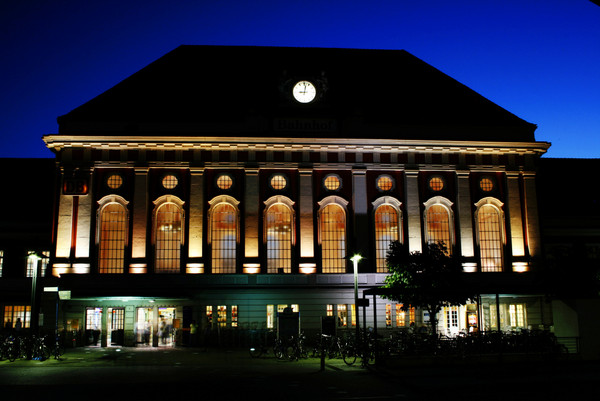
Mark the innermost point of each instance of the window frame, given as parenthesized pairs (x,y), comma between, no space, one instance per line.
(447,205)
(213,204)
(396,205)
(497,206)
(102,205)
(335,201)
(158,204)
(289,204)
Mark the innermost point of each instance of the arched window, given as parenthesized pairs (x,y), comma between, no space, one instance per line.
(388,228)
(279,234)
(168,234)
(439,224)
(112,234)
(332,234)
(490,234)
(223,216)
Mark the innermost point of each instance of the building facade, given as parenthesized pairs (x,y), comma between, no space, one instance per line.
(223,185)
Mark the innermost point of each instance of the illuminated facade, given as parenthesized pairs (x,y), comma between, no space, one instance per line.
(206,189)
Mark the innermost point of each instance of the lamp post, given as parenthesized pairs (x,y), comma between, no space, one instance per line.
(34,308)
(355,259)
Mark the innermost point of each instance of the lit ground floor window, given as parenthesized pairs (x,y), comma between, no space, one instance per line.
(222,315)
(512,313)
(209,316)
(234,316)
(15,315)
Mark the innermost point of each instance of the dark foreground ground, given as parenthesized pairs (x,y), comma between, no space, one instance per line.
(220,374)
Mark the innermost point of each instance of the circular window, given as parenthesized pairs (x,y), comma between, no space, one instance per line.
(278,181)
(486,184)
(114,181)
(169,181)
(436,183)
(385,183)
(332,182)
(224,181)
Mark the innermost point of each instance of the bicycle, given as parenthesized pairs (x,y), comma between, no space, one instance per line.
(40,350)
(58,348)
(258,351)
(295,348)
(10,349)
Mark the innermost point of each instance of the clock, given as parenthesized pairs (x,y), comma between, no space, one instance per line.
(304,91)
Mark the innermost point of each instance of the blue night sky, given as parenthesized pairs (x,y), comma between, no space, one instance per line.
(539,59)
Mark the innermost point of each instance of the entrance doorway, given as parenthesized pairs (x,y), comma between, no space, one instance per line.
(166,326)
(116,326)
(93,325)
(144,326)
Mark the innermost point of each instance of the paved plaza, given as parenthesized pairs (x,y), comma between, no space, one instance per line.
(153,373)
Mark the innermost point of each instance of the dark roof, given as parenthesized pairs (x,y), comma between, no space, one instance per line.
(241,91)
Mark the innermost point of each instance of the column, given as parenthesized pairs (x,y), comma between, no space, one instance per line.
(465,221)
(140,217)
(307,241)
(84,216)
(251,219)
(196,212)
(361,222)
(104,334)
(413,211)
(63,230)
(515,214)
(531,214)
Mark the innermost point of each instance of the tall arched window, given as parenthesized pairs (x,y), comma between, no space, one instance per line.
(388,228)
(168,234)
(112,234)
(332,234)
(224,229)
(439,222)
(490,234)
(279,234)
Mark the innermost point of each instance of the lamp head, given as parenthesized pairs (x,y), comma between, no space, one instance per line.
(356,258)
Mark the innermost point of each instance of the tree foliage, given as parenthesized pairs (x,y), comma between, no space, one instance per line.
(430,279)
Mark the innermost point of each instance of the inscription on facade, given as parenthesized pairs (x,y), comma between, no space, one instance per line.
(305,125)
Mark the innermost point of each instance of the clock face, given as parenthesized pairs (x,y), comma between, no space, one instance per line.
(304,92)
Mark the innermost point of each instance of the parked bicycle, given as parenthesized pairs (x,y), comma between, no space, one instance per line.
(295,348)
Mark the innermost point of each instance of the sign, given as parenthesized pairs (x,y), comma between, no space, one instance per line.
(305,125)
(64,295)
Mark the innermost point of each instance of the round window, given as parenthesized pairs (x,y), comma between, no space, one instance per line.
(278,181)
(385,183)
(169,181)
(486,184)
(436,183)
(114,181)
(224,181)
(332,182)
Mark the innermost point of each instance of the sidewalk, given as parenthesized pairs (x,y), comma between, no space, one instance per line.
(234,372)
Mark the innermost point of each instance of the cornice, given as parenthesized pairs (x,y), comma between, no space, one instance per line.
(59,142)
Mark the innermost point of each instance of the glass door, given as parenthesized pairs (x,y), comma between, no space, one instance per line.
(144,326)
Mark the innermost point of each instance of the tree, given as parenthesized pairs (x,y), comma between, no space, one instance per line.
(430,279)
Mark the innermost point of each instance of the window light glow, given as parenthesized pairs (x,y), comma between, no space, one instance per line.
(308,268)
(469,267)
(251,268)
(520,267)
(194,268)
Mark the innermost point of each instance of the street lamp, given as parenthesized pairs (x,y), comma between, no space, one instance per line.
(355,259)
(34,317)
